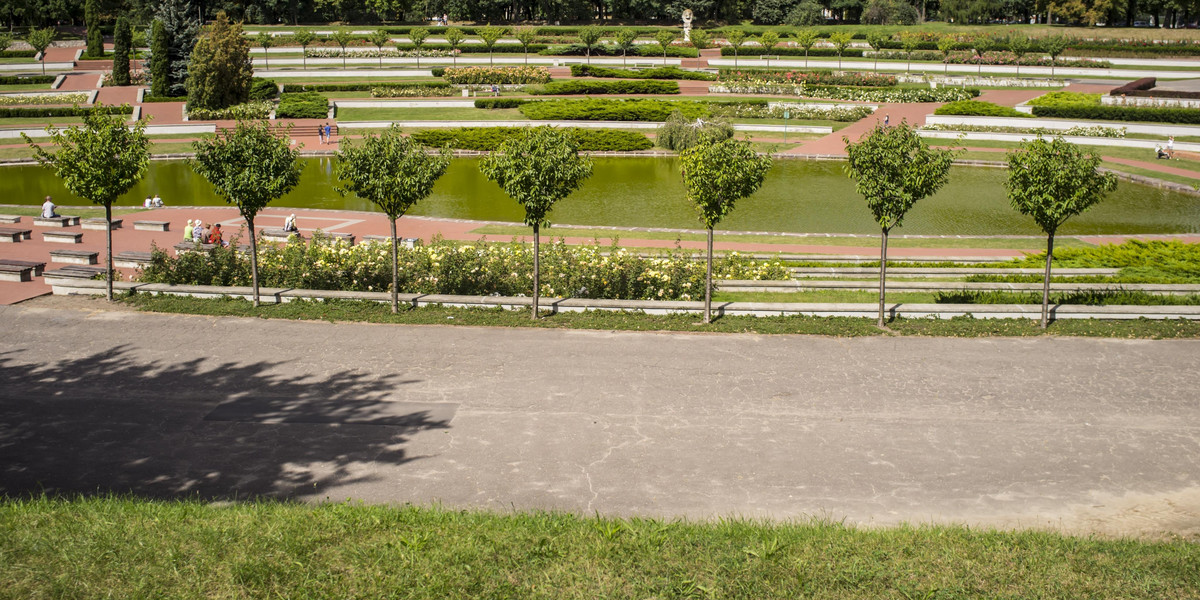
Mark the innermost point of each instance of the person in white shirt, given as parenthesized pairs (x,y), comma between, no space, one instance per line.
(48,208)
(147,202)
(289,224)
(156,202)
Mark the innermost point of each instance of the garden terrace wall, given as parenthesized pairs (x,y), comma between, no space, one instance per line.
(1062,124)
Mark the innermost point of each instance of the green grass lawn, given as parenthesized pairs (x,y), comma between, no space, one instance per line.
(26,87)
(75,211)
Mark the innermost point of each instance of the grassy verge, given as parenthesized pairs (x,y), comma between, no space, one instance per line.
(190,549)
(368,312)
(26,87)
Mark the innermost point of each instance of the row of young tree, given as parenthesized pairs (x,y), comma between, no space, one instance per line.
(251,166)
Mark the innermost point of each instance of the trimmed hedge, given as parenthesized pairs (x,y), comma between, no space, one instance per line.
(147,99)
(499,102)
(612,110)
(26,79)
(64,111)
(788,51)
(438,71)
(18,54)
(978,108)
(264,89)
(811,77)
(490,138)
(1066,99)
(648,50)
(304,105)
(508,48)
(655,73)
(1188,116)
(619,86)
(295,88)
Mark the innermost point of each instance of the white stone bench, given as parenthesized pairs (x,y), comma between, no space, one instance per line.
(132,260)
(15,273)
(409,243)
(10,219)
(14,234)
(152,225)
(278,235)
(99,224)
(63,237)
(75,272)
(60,221)
(37,267)
(74,257)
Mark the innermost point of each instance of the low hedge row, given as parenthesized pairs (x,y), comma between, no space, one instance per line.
(64,111)
(18,54)
(977,108)
(294,88)
(612,110)
(655,73)
(617,86)
(26,79)
(650,50)
(490,138)
(264,89)
(499,102)
(789,51)
(1188,116)
(151,99)
(304,105)
(1066,99)
(496,75)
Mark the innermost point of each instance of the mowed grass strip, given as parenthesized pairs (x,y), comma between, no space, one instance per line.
(189,549)
(372,312)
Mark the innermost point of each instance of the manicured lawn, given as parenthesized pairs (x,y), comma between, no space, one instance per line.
(26,87)
(14,122)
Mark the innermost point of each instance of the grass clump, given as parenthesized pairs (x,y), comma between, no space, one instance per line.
(1156,261)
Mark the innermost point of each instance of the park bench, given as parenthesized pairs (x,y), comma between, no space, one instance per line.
(152,225)
(99,224)
(10,219)
(278,235)
(74,257)
(15,273)
(63,237)
(132,260)
(37,267)
(76,272)
(60,221)
(409,243)
(339,235)
(14,234)
(193,247)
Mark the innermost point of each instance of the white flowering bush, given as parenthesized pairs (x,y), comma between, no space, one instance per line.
(497,75)
(795,111)
(589,271)
(1082,131)
(248,110)
(42,99)
(377,53)
(860,94)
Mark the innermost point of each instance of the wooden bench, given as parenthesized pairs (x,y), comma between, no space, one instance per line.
(10,219)
(63,237)
(74,257)
(15,273)
(60,221)
(132,260)
(99,224)
(152,225)
(14,234)
(77,272)
(37,267)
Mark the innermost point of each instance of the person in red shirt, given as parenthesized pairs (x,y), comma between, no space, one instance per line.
(214,237)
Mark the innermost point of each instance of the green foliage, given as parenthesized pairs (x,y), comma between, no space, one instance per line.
(537,169)
(671,72)
(736,37)
(303,38)
(717,174)
(1054,181)
(237,112)
(26,79)
(6,40)
(181,27)
(664,39)
(649,50)
(454,37)
(91,20)
(768,40)
(581,86)
(495,103)
(490,138)
(680,133)
(699,39)
(220,71)
(611,110)
(805,38)
(625,39)
(840,41)
(490,35)
(1164,261)
(1189,116)
(264,89)
(496,75)
(1054,45)
(438,71)
(248,166)
(1066,99)
(590,36)
(304,105)
(893,169)
(978,108)
(64,111)
(40,39)
(122,44)
(160,61)
(414,90)
(390,170)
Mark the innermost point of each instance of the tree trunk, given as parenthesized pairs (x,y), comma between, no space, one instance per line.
(395,271)
(108,246)
(537,273)
(1046,281)
(882,274)
(708,281)
(253,258)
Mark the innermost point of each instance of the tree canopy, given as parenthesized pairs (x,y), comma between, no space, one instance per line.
(221,71)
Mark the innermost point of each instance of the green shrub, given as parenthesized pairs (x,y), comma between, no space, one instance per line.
(292,88)
(439,71)
(612,110)
(655,73)
(680,133)
(26,79)
(148,99)
(650,50)
(618,86)
(1188,116)
(490,138)
(496,75)
(499,102)
(778,51)
(63,111)
(1160,261)
(813,77)
(248,110)
(978,108)
(18,54)
(304,105)
(264,89)
(1066,99)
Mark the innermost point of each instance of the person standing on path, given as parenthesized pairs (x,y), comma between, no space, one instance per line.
(1171,146)
(886,119)
(328,134)
(321,133)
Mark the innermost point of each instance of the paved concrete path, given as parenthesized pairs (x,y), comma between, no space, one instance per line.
(1081,434)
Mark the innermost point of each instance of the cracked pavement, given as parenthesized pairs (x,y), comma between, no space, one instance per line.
(1084,435)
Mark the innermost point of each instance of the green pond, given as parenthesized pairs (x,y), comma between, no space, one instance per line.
(798,196)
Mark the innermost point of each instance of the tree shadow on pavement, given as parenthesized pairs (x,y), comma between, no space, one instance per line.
(108,423)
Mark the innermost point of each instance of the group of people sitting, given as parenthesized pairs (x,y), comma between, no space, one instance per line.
(154,202)
(197,232)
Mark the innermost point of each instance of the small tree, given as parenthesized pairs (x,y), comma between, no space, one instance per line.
(736,38)
(893,169)
(417,36)
(220,71)
(526,35)
(393,172)
(806,38)
(91,20)
(342,38)
(160,61)
(590,36)
(840,41)
(305,38)
(1054,46)
(265,40)
(982,45)
(699,39)
(454,37)
(490,35)
(876,41)
(40,39)
(6,40)
(122,44)
(1052,182)
(249,167)
(910,41)
(946,44)
(768,41)
(380,38)
(716,175)
(664,37)
(537,169)
(98,162)
(625,41)
(1019,46)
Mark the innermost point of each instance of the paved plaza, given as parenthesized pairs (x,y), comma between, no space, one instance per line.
(1095,435)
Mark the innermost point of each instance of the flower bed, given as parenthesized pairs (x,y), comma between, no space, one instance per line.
(942,94)
(415,90)
(1081,131)
(471,269)
(249,110)
(844,114)
(978,108)
(63,111)
(42,99)
(809,77)
(497,75)
(615,86)
(377,53)
(136,77)
(489,138)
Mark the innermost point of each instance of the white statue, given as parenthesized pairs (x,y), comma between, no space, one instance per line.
(687,24)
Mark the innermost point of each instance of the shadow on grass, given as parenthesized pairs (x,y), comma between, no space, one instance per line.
(110,423)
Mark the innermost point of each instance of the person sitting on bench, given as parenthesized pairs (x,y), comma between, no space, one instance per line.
(48,209)
(289,225)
